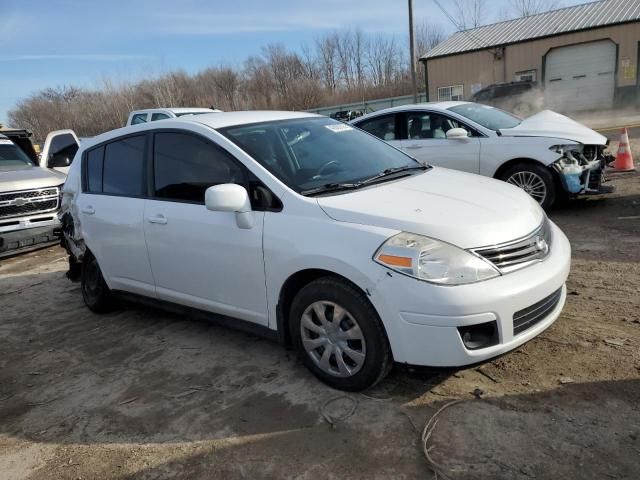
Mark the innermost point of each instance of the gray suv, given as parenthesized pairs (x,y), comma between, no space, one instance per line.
(29,196)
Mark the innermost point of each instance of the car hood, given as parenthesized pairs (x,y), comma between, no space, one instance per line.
(28,178)
(552,124)
(460,208)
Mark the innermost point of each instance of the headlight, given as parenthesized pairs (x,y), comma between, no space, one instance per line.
(574,147)
(433,261)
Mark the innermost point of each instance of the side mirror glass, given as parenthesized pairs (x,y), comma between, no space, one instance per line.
(229,197)
(457,133)
(58,161)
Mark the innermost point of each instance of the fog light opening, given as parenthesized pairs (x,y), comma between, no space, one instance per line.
(479,336)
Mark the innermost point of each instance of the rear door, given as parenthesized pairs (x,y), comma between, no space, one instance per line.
(426,141)
(59,149)
(385,127)
(111,208)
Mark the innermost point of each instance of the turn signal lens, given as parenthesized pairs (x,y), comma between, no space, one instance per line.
(395,261)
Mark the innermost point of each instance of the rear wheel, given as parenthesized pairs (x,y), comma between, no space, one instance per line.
(534,179)
(95,292)
(339,335)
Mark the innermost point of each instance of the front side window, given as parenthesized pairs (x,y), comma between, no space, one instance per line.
(452,93)
(308,153)
(489,117)
(185,166)
(123,167)
(12,157)
(383,127)
(428,125)
(139,118)
(159,116)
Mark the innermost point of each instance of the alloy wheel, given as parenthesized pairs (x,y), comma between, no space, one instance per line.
(531,183)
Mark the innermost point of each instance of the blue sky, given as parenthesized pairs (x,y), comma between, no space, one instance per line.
(49,43)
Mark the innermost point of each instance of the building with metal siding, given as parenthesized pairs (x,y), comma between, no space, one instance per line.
(583,57)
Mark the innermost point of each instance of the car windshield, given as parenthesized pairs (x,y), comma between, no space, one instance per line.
(308,153)
(489,117)
(12,157)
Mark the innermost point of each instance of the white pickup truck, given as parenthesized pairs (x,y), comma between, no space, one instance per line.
(30,188)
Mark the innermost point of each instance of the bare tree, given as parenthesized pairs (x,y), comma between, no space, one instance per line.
(526,8)
(470,13)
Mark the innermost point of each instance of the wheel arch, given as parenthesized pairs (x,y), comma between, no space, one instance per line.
(293,285)
(515,161)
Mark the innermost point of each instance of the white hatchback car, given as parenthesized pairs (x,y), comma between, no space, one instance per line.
(315,232)
(545,155)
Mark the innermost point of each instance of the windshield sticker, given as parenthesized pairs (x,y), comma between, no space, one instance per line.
(338,128)
(5,142)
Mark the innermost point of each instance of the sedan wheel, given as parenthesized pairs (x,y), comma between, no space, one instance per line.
(531,183)
(535,179)
(333,339)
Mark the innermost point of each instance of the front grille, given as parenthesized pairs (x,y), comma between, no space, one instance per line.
(528,317)
(519,253)
(28,202)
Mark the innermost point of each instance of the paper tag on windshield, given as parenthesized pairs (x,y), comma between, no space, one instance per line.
(338,127)
(4,141)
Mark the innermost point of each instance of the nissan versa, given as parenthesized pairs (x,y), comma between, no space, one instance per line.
(317,233)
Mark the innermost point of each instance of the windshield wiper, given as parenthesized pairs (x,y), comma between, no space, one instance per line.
(330,187)
(392,171)
(337,187)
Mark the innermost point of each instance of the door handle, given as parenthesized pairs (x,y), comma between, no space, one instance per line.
(159,219)
(413,147)
(88,210)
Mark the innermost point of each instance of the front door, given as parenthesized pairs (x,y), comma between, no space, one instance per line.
(427,142)
(202,258)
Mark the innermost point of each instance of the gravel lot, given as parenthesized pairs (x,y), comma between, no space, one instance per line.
(141,393)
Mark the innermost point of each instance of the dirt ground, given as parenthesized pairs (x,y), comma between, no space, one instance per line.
(141,393)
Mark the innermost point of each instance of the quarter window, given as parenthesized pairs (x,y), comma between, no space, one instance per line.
(451,93)
(383,127)
(95,159)
(123,167)
(185,166)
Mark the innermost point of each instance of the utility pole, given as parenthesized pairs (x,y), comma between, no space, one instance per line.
(412,53)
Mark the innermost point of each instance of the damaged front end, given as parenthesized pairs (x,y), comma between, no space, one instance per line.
(581,168)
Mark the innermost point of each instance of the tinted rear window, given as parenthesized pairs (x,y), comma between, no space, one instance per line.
(94,170)
(123,167)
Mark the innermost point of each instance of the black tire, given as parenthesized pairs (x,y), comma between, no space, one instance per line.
(377,359)
(95,292)
(512,174)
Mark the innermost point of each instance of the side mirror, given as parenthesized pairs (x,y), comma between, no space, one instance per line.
(58,161)
(229,197)
(457,134)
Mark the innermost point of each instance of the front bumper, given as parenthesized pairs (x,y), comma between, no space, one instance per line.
(18,241)
(422,319)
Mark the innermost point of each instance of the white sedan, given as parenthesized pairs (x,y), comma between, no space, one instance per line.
(546,154)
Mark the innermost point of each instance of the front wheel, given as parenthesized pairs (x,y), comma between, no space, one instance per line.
(536,180)
(339,335)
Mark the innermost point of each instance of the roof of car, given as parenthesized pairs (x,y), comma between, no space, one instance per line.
(412,106)
(174,110)
(227,119)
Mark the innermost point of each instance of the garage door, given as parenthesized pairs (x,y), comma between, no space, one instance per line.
(580,77)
